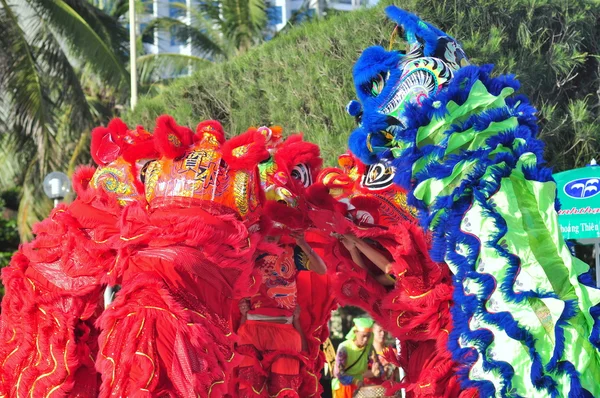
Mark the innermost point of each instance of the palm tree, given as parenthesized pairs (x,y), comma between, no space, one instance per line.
(60,60)
(216,30)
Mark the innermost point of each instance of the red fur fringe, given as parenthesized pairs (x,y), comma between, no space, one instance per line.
(292,218)
(295,151)
(318,196)
(170,139)
(107,142)
(140,150)
(81,178)
(211,127)
(255,153)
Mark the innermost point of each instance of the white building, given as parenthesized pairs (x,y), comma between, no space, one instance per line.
(164,42)
(279,12)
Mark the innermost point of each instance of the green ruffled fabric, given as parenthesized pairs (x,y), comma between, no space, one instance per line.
(532,234)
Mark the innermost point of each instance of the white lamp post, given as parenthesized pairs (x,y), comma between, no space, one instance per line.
(132,53)
(56,186)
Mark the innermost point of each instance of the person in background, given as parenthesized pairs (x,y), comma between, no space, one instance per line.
(382,370)
(353,359)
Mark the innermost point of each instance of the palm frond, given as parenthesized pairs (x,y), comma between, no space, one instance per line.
(199,39)
(63,79)
(29,101)
(80,151)
(153,67)
(83,41)
(108,27)
(34,205)
(14,153)
(243,21)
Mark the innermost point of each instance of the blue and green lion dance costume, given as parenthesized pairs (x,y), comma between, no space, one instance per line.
(526,314)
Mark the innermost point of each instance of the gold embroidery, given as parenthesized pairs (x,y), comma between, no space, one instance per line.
(173,139)
(240,151)
(153,366)
(9,355)
(68,372)
(398,318)
(132,238)
(115,264)
(160,309)
(39,354)
(213,384)
(19,380)
(281,391)
(195,312)
(45,374)
(13,336)
(107,357)
(420,295)
(141,327)
(32,284)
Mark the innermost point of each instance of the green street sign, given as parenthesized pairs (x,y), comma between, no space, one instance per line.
(579,193)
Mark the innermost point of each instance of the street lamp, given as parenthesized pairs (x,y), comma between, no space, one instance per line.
(56,186)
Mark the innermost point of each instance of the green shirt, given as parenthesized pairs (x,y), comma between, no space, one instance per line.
(347,355)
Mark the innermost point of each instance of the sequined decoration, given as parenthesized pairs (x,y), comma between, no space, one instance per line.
(240,192)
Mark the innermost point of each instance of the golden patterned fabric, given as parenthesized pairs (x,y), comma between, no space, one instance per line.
(202,178)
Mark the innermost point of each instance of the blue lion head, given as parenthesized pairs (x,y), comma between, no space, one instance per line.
(387,81)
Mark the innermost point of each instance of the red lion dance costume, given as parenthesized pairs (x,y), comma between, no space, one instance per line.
(274,364)
(416,309)
(175,219)
(171,217)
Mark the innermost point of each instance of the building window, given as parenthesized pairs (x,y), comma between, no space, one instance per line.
(275,15)
(176,8)
(148,6)
(176,38)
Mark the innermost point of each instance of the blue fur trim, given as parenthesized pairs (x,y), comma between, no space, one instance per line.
(587,279)
(595,335)
(416,29)
(357,144)
(465,307)
(569,312)
(373,61)
(576,391)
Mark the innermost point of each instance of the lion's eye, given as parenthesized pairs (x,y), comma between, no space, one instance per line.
(377,85)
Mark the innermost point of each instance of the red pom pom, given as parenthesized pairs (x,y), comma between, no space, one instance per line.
(211,127)
(295,151)
(107,142)
(82,177)
(171,140)
(245,151)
